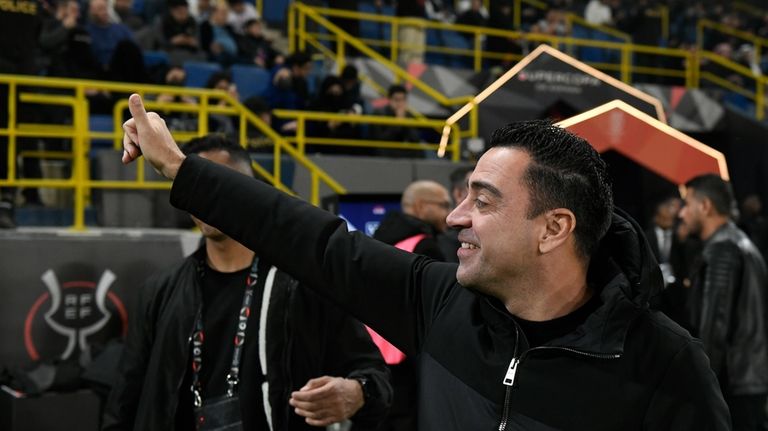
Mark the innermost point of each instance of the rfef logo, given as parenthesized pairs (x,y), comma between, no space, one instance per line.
(79,312)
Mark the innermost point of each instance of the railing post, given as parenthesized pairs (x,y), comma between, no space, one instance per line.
(300,132)
(80,159)
(276,166)
(394,45)
(478,54)
(340,54)
(11,131)
(314,192)
(292,28)
(760,98)
(517,15)
(626,66)
(696,68)
(302,30)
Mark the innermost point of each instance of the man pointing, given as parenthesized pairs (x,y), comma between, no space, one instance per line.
(543,325)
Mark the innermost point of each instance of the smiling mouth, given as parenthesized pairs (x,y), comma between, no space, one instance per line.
(469,246)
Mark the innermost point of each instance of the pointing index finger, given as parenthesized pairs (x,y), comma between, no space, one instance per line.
(136,106)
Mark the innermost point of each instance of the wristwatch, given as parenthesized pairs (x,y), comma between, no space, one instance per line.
(364,386)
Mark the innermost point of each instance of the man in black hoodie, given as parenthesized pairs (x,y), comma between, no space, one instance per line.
(425,205)
(544,324)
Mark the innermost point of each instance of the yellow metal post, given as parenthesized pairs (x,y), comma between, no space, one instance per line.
(276,166)
(517,14)
(302,30)
(626,64)
(340,54)
(760,98)
(300,134)
(80,119)
(11,131)
(478,54)
(394,43)
(292,28)
(315,189)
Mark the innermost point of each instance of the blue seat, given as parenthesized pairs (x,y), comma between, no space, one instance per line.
(275,10)
(155,58)
(250,80)
(198,73)
(101,123)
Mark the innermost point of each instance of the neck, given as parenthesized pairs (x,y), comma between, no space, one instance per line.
(554,291)
(711,225)
(227,255)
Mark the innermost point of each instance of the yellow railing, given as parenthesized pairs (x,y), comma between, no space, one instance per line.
(748,8)
(760,81)
(570,18)
(28,90)
(299,38)
(759,43)
(302,140)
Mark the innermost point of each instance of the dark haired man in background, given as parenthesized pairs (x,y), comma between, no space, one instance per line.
(544,324)
(726,306)
(295,345)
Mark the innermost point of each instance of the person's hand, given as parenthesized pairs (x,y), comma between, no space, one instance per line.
(327,400)
(147,134)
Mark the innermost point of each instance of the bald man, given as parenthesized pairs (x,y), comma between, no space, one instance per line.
(425,205)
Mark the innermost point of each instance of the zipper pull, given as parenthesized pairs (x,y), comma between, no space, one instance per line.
(509,378)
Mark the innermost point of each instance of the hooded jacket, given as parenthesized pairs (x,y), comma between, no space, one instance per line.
(625,368)
(727,310)
(305,337)
(397,226)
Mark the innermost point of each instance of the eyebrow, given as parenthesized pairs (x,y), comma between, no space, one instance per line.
(482,185)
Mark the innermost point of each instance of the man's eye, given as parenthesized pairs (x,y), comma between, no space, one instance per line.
(479,203)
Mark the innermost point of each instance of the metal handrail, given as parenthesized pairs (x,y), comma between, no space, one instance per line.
(23,87)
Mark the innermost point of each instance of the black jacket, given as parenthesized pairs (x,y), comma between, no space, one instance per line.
(728,310)
(397,226)
(306,337)
(625,368)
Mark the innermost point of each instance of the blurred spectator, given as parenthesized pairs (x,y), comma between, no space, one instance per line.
(661,235)
(202,9)
(288,87)
(258,142)
(179,34)
(127,65)
(476,15)
(57,33)
(412,37)
(397,107)
(598,12)
(754,223)
(220,123)
(256,49)
(553,24)
(241,12)
(330,98)
(124,11)
(105,35)
(217,38)
(351,83)
(175,76)
(501,18)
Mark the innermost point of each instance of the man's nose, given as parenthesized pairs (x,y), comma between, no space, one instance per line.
(459,217)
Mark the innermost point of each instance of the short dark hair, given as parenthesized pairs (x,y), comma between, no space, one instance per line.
(396,88)
(458,177)
(349,72)
(564,172)
(716,189)
(221,75)
(299,58)
(217,142)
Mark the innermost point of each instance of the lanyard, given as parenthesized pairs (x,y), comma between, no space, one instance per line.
(233,377)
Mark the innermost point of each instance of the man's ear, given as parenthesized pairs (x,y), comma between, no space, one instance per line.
(558,228)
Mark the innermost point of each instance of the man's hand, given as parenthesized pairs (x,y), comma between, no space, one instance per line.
(147,134)
(328,400)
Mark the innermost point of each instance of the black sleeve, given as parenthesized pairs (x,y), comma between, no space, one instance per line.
(430,248)
(122,404)
(688,397)
(370,280)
